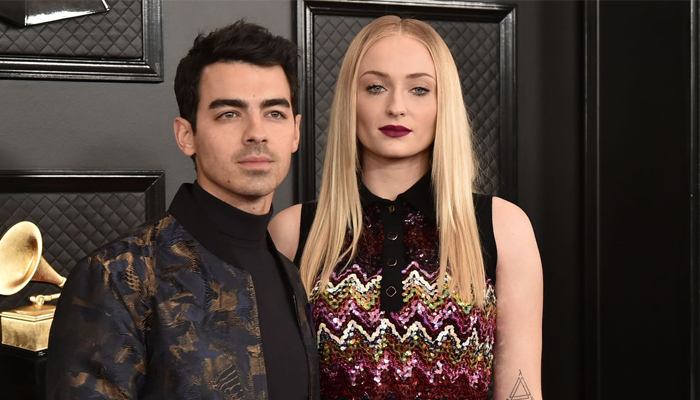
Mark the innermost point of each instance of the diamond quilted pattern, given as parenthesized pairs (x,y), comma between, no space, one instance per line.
(72,226)
(117,34)
(476,49)
(332,37)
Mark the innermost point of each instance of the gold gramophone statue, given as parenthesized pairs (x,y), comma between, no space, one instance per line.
(20,262)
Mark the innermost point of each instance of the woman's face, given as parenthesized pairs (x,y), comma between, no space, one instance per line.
(396,101)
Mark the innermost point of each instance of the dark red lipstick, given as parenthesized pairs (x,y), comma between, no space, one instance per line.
(395,130)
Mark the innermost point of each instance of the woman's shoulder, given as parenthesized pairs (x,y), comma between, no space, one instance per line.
(515,240)
(290,227)
(510,223)
(508,214)
(284,230)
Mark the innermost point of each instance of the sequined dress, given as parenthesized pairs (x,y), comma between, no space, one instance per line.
(383,330)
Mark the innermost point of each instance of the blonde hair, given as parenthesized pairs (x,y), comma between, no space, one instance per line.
(453,169)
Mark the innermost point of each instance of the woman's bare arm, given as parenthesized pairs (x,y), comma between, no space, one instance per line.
(284,229)
(518,347)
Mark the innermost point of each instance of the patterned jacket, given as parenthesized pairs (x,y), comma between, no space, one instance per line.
(157,315)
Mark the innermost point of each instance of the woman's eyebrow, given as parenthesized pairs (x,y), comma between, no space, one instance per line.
(419,75)
(409,76)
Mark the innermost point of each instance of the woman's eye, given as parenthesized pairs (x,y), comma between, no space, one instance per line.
(375,89)
(420,91)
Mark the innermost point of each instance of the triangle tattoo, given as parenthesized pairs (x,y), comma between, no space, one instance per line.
(520,390)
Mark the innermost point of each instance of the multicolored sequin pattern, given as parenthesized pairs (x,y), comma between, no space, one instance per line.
(435,347)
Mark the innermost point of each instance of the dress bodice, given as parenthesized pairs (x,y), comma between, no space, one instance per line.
(385,330)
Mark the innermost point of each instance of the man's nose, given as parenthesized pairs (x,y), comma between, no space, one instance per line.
(255,131)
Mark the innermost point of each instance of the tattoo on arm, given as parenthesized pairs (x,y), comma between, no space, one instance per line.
(520,390)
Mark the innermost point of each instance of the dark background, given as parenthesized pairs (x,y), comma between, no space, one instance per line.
(607,171)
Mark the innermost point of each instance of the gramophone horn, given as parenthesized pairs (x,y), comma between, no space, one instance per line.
(21,260)
(32,12)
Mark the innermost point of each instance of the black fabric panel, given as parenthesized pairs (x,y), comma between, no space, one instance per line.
(116,33)
(73,223)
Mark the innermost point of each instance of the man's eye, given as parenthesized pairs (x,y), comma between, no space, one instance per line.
(375,89)
(277,115)
(228,115)
(420,91)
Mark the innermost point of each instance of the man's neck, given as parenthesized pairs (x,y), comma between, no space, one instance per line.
(251,204)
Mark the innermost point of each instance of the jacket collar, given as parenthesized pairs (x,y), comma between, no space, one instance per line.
(186,211)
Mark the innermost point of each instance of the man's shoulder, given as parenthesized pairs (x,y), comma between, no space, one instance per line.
(128,264)
(143,241)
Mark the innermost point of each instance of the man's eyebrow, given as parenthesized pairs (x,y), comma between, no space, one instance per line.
(238,103)
(280,102)
(219,103)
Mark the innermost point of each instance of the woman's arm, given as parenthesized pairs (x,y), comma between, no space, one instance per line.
(284,229)
(518,347)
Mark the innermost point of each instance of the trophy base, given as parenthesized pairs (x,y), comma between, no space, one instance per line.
(23,373)
(27,327)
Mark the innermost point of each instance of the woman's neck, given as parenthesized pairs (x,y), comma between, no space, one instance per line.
(389,179)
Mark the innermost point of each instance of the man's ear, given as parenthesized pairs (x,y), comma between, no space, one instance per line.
(297,130)
(184,136)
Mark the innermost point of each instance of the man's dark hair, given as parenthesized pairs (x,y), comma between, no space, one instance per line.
(242,42)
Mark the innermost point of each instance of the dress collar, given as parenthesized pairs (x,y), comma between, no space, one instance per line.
(420,196)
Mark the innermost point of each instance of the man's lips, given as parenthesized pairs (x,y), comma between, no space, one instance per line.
(395,130)
(255,161)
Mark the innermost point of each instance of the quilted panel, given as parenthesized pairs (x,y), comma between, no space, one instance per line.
(476,49)
(477,53)
(72,226)
(116,34)
(332,37)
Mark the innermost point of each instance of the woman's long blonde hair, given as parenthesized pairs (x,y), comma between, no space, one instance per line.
(453,169)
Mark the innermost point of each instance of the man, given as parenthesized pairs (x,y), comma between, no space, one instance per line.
(199,304)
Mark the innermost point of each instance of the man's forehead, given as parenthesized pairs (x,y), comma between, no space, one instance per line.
(243,80)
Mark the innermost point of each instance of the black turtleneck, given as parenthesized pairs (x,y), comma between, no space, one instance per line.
(248,247)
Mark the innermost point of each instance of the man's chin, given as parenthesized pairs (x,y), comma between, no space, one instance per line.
(256,190)
(255,173)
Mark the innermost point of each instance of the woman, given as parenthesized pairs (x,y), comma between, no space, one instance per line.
(397,315)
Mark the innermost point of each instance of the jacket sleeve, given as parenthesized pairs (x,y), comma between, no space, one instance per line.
(96,346)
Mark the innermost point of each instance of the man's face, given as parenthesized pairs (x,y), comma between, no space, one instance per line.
(246,133)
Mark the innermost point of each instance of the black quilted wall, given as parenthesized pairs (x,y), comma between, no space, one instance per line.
(75,223)
(116,34)
(476,48)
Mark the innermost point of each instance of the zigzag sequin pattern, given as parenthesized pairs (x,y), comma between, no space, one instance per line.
(434,347)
